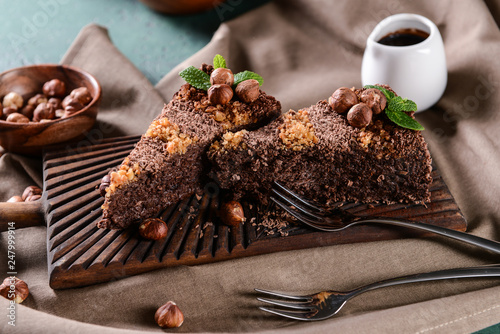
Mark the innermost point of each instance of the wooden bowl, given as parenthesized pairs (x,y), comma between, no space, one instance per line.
(181,6)
(31,138)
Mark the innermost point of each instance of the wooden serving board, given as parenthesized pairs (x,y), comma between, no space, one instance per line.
(81,254)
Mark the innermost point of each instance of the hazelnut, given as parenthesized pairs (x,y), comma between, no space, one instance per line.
(360,115)
(37,99)
(15,199)
(153,229)
(44,111)
(31,190)
(81,94)
(17,118)
(169,316)
(231,213)
(220,94)
(28,111)
(222,76)
(54,87)
(65,101)
(59,113)
(105,182)
(55,102)
(13,100)
(7,111)
(342,99)
(73,106)
(14,289)
(375,99)
(248,90)
(33,198)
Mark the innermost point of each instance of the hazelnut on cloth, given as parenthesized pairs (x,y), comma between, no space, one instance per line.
(14,289)
(169,316)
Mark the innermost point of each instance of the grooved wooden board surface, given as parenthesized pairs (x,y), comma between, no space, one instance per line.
(80,254)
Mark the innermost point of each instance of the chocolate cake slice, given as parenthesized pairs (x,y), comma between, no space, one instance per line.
(318,153)
(168,162)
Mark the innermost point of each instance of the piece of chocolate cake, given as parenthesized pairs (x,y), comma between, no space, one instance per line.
(317,153)
(168,162)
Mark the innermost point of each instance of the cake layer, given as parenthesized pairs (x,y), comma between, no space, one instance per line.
(316,153)
(169,162)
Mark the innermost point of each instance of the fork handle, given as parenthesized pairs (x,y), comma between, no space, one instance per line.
(490,245)
(471,272)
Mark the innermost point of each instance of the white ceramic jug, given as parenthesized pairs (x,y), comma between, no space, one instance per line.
(418,71)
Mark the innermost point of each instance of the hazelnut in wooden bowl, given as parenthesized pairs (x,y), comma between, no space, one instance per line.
(44,105)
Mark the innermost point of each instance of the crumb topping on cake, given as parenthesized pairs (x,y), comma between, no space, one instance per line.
(123,175)
(230,141)
(169,133)
(232,115)
(377,138)
(297,132)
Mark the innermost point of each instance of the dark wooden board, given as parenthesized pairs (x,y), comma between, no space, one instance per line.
(80,254)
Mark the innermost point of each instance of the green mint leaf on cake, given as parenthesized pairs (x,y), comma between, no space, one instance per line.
(403,119)
(219,61)
(247,75)
(388,94)
(400,104)
(196,77)
(396,107)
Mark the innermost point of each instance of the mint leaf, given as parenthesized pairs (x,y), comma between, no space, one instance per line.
(400,104)
(404,120)
(219,61)
(388,94)
(196,77)
(247,75)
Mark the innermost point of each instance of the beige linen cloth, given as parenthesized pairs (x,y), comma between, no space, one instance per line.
(305,50)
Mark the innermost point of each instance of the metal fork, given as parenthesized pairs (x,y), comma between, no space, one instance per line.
(336,219)
(325,304)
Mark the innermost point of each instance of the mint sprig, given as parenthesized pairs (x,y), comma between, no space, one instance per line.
(396,107)
(219,61)
(196,77)
(199,79)
(247,75)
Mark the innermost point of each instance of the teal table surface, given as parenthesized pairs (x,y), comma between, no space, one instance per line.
(35,32)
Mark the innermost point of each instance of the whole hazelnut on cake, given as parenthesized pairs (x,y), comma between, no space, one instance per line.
(14,289)
(375,99)
(17,118)
(342,100)
(54,87)
(222,76)
(13,100)
(359,115)
(44,111)
(169,316)
(248,90)
(220,94)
